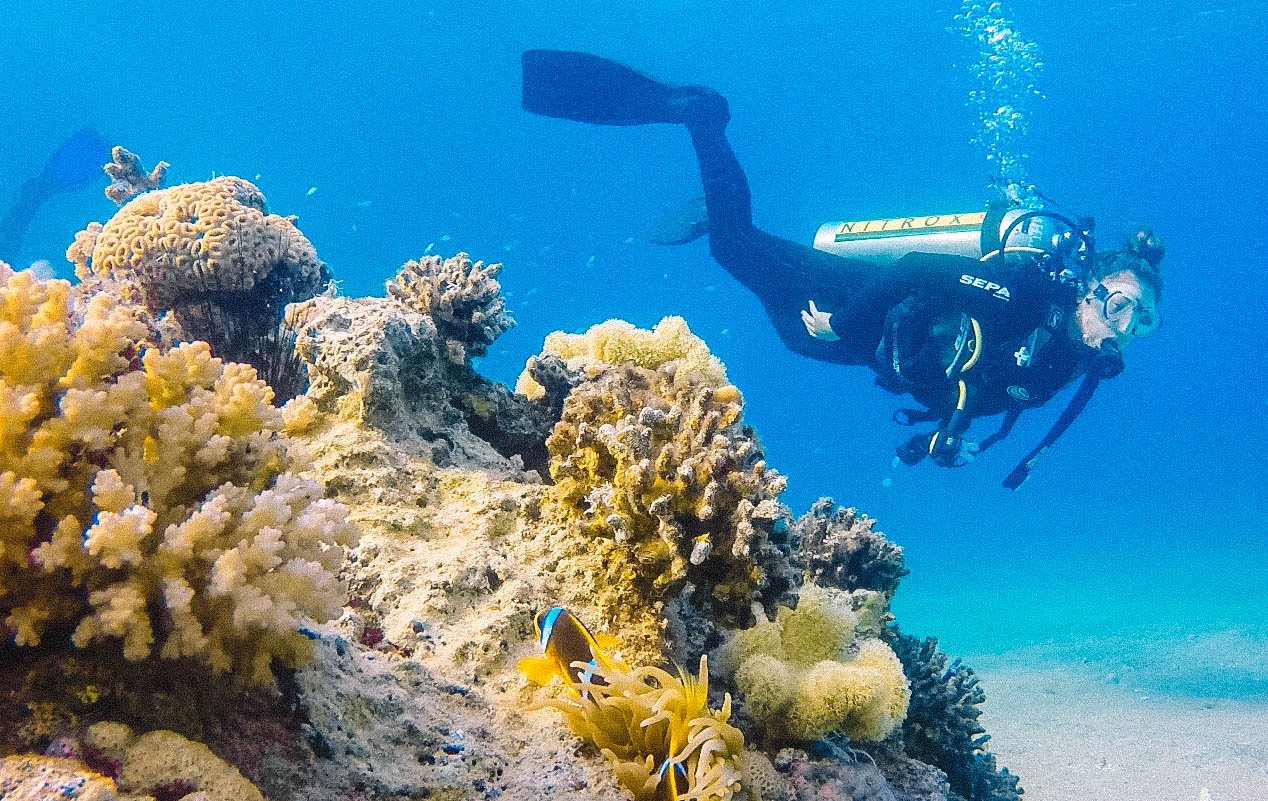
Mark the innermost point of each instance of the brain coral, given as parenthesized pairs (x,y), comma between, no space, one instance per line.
(805,674)
(618,342)
(463,299)
(144,494)
(656,465)
(212,254)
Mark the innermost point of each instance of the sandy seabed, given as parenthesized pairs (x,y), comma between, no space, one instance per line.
(1077,729)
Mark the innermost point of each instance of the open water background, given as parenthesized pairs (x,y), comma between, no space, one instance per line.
(1147,523)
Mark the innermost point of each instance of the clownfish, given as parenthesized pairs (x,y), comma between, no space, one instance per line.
(672,781)
(564,640)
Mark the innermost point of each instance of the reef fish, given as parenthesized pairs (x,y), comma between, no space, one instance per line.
(565,641)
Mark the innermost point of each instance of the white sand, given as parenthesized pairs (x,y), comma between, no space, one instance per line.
(1077,732)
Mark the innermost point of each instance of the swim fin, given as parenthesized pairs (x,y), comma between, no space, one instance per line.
(588,88)
(76,162)
(685,224)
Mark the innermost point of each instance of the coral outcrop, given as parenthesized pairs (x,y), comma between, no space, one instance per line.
(806,674)
(656,468)
(165,763)
(839,547)
(146,493)
(40,778)
(212,254)
(463,299)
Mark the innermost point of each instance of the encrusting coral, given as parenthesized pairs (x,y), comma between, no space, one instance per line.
(159,760)
(145,494)
(41,778)
(656,468)
(212,254)
(463,298)
(806,674)
(643,718)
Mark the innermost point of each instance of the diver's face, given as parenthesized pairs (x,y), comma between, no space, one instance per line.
(1116,310)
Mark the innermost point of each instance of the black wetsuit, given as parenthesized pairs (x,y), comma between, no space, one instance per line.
(1025,356)
(965,338)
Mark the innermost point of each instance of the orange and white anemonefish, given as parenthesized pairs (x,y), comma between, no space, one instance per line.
(565,640)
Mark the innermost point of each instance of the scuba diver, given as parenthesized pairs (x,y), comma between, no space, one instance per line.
(71,168)
(997,327)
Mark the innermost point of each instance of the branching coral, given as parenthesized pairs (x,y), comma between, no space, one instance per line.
(642,718)
(617,342)
(839,548)
(145,495)
(942,725)
(462,297)
(128,178)
(805,674)
(657,463)
(212,254)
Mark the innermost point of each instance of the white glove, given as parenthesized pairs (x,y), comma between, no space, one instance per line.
(817,324)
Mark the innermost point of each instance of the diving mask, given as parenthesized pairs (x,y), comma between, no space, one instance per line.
(1126,314)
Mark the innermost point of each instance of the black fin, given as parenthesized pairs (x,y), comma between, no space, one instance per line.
(588,88)
(685,224)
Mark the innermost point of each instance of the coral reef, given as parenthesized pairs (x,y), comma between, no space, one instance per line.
(146,493)
(656,468)
(840,548)
(643,718)
(463,299)
(806,674)
(212,254)
(617,342)
(942,727)
(128,178)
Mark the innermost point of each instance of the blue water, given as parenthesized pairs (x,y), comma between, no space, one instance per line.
(387,130)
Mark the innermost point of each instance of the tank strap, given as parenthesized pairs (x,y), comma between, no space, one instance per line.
(1006,427)
(1020,473)
(995,211)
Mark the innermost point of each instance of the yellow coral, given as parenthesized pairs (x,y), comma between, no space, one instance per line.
(617,342)
(161,758)
(144,495)
(642,718)
(659,463)
(804,675)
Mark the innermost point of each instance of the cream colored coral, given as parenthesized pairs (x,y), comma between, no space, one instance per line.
(462,297)
(617,342)
(207,236)
(806,674)
(144,495)
(161,758)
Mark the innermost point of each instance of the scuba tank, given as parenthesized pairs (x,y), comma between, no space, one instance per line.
(974,234)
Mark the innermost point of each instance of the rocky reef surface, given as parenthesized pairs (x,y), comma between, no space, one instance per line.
(212,597)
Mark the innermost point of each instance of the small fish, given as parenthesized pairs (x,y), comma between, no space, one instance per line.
(427,250)
(672,781)
(364,204)
(445,238)
(590,261)
(564,640)
(629,240)
(312,190)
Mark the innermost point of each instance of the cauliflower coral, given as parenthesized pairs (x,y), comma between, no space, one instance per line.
(145,495)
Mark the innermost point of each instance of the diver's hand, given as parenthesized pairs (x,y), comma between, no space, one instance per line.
(949,450)
(818,325)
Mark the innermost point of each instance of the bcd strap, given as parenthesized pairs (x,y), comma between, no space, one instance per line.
(1010,419)
(1022,471)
